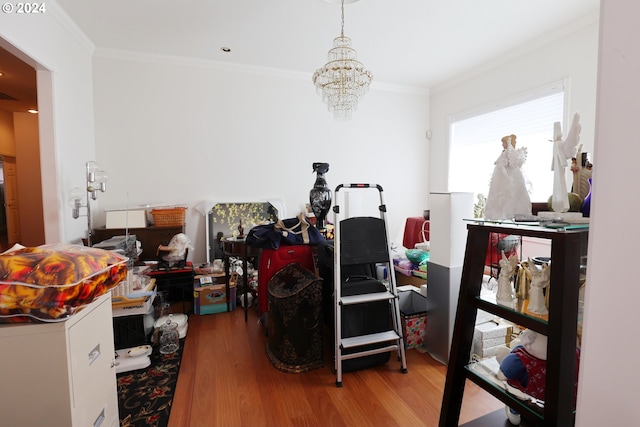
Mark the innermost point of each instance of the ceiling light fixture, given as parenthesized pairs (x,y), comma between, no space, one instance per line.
(343,80)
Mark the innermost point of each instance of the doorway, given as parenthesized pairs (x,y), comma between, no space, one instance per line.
(4,241)
(20,144)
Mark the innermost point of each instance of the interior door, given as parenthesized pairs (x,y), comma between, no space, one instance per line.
(11,200)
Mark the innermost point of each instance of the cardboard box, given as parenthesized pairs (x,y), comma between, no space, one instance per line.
(485,352)
(488,330)
(212,299)
(126,219)
(413,315)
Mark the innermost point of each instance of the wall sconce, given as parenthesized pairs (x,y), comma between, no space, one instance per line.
(96,181)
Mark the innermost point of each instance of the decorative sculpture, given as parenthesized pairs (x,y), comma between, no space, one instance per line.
(320,195)
(505,294)
(563,150)
(508,195)
(240,231)
(540,278)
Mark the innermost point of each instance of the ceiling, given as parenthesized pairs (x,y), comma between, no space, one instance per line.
(410,43)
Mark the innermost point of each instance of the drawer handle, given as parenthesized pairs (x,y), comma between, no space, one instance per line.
(94,354)
(100,419)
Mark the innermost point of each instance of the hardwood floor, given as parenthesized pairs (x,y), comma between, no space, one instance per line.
(227,380)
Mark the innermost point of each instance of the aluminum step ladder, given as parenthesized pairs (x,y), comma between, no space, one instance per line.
(364,241)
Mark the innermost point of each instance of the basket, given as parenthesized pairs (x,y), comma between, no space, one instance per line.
(168,217)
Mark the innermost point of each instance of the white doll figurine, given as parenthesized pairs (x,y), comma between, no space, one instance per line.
(505,295)
(540,278)
(508,195)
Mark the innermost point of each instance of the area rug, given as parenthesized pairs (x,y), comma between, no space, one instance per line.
(145,395)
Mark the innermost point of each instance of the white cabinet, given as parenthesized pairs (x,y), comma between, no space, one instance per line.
(60,374)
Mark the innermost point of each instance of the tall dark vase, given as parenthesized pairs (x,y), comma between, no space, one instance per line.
(586,204)
(320,195)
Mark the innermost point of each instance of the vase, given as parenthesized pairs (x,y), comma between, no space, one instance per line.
(586,204)
(320,195)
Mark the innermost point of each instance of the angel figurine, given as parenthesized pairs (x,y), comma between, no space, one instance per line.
(508,195)
(563,150)
(540,278)
(505,293)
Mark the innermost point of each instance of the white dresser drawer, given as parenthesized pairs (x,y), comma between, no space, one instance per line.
(91,351)
(54,381)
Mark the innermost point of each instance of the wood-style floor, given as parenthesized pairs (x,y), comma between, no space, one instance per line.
(227,380)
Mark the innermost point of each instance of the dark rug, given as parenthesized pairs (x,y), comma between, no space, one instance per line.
(145,395)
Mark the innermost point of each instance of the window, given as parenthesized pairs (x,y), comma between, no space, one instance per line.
(476,141)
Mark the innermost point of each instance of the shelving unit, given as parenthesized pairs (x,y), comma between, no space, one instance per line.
(568,259)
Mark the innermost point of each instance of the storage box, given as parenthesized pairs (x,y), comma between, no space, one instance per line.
(413,315)
(487,330)
(489,336)
(212,299)
(169,217)
(485,352)
(126,219)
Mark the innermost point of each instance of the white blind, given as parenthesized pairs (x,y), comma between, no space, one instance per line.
(476,143)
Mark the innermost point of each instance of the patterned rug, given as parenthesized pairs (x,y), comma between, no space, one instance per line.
(145,395)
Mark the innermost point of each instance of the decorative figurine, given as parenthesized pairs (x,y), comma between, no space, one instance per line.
(478,208)
(508,195)
(540,278)
(505,294)
(240,231)
(320,195)
(524,367)
(563,150)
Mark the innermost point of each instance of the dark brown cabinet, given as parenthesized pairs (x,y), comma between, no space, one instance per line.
(149,237)
(568,267)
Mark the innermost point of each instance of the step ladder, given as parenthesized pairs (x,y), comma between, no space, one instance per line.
(363,242)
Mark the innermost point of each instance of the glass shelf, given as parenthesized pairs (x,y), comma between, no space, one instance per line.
(528,320)
(483,374)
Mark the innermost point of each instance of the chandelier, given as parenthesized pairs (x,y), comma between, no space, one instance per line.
(343,80)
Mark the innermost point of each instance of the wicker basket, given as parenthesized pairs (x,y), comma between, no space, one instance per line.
(168,217)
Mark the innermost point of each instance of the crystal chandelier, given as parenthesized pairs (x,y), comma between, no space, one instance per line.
(342,80)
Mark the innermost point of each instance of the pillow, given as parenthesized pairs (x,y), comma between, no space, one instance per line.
(50,282)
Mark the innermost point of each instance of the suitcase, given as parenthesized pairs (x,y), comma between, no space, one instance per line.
(272,261)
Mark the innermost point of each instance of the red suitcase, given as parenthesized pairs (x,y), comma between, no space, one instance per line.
(273,260)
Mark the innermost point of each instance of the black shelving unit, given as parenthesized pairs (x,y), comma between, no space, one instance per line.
(568,259)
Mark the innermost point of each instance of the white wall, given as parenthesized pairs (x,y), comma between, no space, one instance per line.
(608,393)
(62,57)
(573,56)
(174,131)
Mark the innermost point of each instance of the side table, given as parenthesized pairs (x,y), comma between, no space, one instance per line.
(239,249)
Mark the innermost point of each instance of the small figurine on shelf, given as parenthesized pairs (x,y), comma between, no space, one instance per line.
(505,294)
(540,278)
(240,231)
